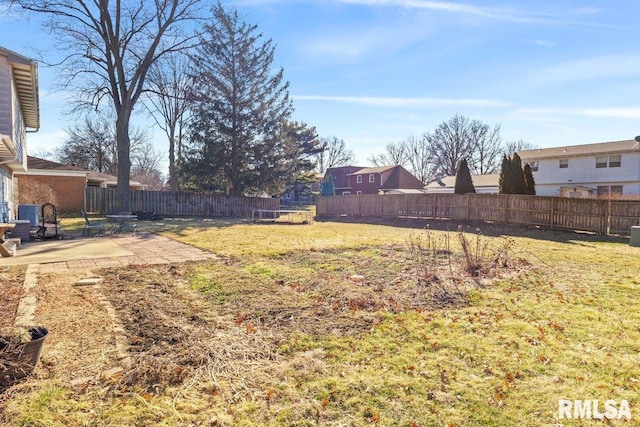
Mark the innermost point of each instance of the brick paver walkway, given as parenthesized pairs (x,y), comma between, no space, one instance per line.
(147,248)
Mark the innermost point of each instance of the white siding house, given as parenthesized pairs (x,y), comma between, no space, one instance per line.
(588,170)
(19,112)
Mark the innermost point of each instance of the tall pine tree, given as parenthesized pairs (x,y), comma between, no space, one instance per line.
(505,180)
(512,178)
(519,184)
(239,109)
(464,183)
(529,181)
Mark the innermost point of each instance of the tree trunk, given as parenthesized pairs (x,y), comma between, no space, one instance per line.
(173,179)
(123,202)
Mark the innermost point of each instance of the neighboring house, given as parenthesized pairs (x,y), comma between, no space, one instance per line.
(97,179)
(341,178)
(484,184)
(19,113)
(66,182)
(588,170)
(372,180)
(305,194)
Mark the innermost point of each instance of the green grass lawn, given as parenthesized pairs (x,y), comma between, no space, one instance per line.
(297,341)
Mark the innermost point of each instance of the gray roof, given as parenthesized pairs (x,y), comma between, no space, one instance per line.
(43,164)
(368,170)
(490,180)
(581,150)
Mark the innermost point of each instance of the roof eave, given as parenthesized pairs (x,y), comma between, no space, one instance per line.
(25,76)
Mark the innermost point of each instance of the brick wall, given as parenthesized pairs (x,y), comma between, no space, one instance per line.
(69,190)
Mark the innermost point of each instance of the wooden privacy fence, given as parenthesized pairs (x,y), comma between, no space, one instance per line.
(596,215)
(169,203)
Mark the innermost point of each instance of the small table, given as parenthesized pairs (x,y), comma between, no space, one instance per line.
(122,223)
(7,247)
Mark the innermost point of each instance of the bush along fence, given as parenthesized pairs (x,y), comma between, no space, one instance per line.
(169,203)
(595,215)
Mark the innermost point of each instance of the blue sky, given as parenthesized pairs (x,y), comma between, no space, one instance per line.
(370,72)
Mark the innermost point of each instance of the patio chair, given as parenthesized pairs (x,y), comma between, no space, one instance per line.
(88,226)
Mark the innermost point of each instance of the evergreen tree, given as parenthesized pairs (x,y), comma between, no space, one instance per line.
(512,178)
(464,183)
(519,183)
(293,166)
(326,187)
(530,182)
(239,110)
(505,181)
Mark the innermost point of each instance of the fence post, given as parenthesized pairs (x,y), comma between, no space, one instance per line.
(607,217)
(435,206)
(466,196)
(551,214)
(506,209)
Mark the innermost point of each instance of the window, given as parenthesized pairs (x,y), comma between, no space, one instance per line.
(616,189)
(372,178)
(533,165)
(359,179)
(346,193)
(564,163)
(615,161)
(359,192)
(601,162)
(604,190)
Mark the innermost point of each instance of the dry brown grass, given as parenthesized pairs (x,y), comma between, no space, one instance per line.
(337,334)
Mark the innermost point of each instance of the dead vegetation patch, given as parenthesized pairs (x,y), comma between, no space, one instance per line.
(11,292)
(173,337)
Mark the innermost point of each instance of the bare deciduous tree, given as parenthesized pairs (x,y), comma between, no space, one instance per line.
(463,138)
(167,102)
(92,145)
(109,48)
(419,158)
(395,153)
(512,147)
(449,144)
(335,154)
(487,152)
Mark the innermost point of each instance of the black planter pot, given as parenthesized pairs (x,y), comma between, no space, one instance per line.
(16,362)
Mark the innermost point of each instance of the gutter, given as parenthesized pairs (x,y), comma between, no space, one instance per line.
(10,147)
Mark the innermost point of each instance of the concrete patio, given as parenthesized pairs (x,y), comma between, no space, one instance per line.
(100,252)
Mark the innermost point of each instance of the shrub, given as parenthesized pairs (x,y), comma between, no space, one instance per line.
(464,183)
(36,193)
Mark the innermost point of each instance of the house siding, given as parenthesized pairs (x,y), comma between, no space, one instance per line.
(19,136)
(6,95)
(582,171)
(365,186)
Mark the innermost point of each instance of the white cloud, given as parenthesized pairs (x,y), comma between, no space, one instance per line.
(507,14)
(431,5)
(405,102)
(543,43)
(344,46)
(590,69)
(620,113)
(586,11)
